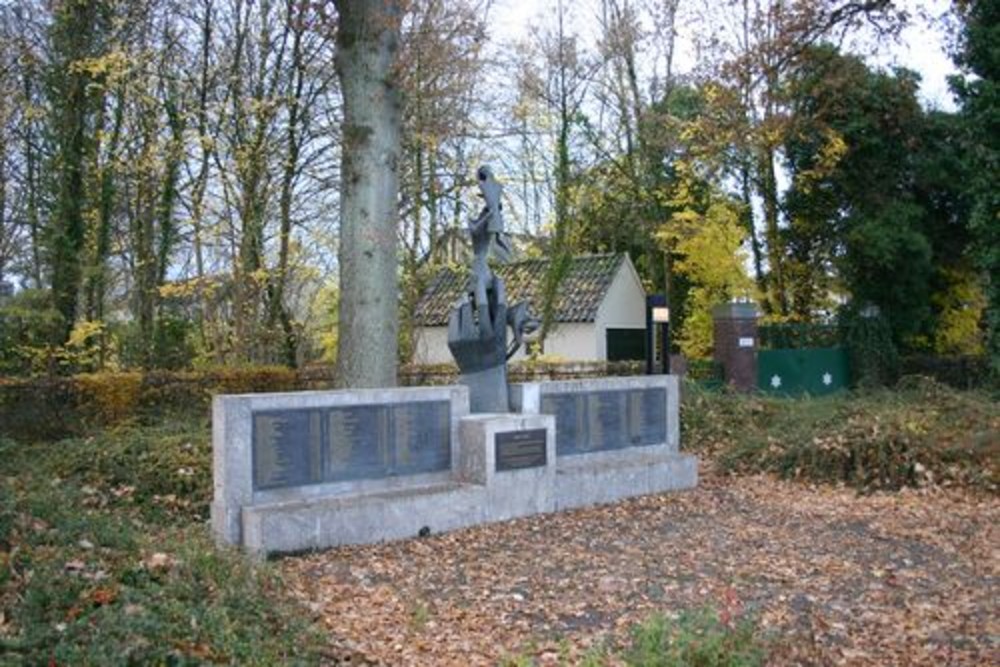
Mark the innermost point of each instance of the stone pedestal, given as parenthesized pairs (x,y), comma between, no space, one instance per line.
(736,343)
(514,457)
(616,437)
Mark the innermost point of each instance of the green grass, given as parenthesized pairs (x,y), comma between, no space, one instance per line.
(697,638)
(105,558)
(919,433)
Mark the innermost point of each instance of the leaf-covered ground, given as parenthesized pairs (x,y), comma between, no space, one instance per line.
(830,576)
(105,557)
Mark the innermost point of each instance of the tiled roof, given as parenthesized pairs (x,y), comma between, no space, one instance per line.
(580,293)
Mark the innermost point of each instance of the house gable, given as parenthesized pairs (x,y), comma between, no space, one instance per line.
(624,303)
(581,292)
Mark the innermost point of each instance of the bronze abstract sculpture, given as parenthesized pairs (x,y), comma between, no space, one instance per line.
(477,326)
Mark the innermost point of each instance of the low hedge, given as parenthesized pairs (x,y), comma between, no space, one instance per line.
(961,372)
(49,408)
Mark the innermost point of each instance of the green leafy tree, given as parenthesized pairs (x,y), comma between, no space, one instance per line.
(77,35)
(615,210)
(876,206)
(706,234)
(979,57)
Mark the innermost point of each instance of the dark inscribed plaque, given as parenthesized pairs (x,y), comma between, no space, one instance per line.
(311,446)
(651,413)
(287,448)
(359,443)
(571,419)
(608,411)
(421,437)
(375,441)
(516,450)
(608,419)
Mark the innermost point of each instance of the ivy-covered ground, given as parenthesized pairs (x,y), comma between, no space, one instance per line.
(105,558)
(859,529)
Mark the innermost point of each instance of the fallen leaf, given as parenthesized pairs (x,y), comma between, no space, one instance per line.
(74,566)
(159,561)
(103,596)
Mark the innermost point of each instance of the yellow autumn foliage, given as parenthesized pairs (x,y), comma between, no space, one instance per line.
(709,243)
(109,397)
(961,308)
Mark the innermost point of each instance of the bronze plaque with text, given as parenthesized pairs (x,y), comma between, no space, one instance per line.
(516,450)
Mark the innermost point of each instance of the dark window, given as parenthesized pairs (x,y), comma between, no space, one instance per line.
(626,344)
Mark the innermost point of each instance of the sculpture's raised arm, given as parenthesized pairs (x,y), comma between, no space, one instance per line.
(477,327)
(492,193)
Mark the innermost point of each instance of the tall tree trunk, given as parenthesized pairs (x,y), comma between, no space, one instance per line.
(143,234)
(201,180)
(746,195)
(68,225)
(367,41)
(277,312)
(775,250)
(3,201)
(172,160)
(97,286)
(31,181)
(560,252)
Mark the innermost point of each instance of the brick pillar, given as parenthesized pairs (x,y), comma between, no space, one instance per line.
(735,343)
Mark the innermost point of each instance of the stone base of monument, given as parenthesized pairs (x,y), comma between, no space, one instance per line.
(505,469)
(606,477)
(513,457)
(361,518)
(616,437)
(313,470)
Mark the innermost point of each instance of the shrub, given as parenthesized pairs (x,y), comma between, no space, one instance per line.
(695,639)
(960,372)
(867,335)
(28,325)
(920,433)
(172,346)
(55,407)
(108,398)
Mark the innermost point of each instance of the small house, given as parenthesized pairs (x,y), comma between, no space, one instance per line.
(600,311)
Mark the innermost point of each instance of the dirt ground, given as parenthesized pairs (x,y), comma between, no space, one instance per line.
(830,576)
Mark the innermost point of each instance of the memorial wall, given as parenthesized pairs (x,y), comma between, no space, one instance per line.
(315,446)
(316,469)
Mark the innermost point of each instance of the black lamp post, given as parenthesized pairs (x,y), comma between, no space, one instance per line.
(657,313)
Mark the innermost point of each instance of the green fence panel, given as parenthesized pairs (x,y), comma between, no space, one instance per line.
(814,371)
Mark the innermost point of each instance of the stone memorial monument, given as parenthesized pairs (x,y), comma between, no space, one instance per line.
(477,326)
(310,470)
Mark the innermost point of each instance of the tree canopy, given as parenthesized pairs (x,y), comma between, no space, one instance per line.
(189,184)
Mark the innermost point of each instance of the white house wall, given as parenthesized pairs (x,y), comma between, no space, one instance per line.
(624,307)
(570,341)
(432,346)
